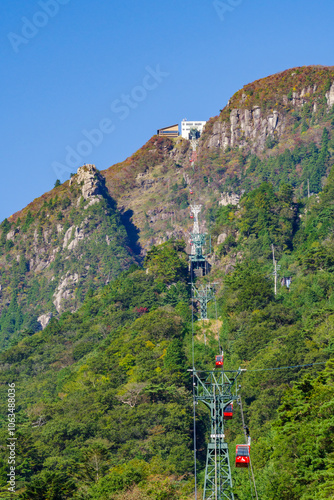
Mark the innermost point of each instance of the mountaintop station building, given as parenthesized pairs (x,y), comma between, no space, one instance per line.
(172,131)
(186,127)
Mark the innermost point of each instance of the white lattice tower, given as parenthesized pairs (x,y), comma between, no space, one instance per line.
(196,210)
(194,144)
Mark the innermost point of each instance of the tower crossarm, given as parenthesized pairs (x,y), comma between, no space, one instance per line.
(215,384)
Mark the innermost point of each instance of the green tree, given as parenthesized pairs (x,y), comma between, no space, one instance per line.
(167,262)
(248,288)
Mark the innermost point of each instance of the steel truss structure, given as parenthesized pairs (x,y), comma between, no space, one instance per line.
(203,295)
(216,390)
(198,241)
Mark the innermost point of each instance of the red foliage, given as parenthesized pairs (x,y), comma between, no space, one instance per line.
(141,310)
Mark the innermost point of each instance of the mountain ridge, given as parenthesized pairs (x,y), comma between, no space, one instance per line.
(151,192)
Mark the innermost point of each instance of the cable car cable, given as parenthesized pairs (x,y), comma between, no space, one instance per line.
(282,367)
(194,400)
(246,437)
(219,346)
(246,440)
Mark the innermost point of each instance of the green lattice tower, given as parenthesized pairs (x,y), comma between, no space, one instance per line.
(203,295)
(215,390)
(198,262)
(198,242)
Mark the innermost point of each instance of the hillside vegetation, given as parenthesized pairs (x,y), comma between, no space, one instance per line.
(104,396)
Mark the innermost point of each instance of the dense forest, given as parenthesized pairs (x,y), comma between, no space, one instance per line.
(104,396)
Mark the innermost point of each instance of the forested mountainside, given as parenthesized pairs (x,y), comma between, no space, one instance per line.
(104,399)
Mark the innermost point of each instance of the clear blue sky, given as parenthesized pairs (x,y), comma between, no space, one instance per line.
(129,67)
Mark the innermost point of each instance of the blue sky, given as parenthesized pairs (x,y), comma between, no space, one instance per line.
(90,82)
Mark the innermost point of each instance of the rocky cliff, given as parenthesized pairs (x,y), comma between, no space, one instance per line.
(263,108)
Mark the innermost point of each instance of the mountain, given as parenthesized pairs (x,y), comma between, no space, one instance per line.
(271,130)
(277,129)
(104,397)
(64,243)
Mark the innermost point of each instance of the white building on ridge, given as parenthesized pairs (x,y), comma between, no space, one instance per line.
(186,126)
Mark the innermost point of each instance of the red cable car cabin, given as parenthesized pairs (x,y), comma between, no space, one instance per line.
(220,360)
(228,412)
(242,455)
(191,216)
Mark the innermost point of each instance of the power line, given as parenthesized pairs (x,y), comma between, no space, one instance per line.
(247,439)
(217,327)
(282,367)
(194,399)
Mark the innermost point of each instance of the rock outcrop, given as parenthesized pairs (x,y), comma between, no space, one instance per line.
(87,177)
(78,235)
(10,235)
(221,238)
(245,124)
(44,320)
(251,126)
(330,96)
(229,199)
(65,291)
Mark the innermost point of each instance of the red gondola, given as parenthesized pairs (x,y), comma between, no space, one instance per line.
(191,192)
(228,412)
(220,360)
(191,216)
(242,454)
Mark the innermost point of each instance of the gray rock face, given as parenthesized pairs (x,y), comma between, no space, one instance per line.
(221,238)
(77,236)
(11,234)
(330,96)
(146,183)
(67,236)
(87,177)
(64,291)
(253,126)
(160,214)
(41,261)
(299,99)
(229,199)
(44,320)
(245,124)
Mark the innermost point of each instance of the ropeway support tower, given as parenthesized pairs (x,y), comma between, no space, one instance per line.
(203,294)
(216,389)
(198,241)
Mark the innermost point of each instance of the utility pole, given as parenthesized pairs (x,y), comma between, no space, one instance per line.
(276,269)
(308,188)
